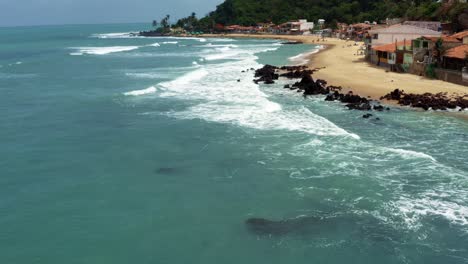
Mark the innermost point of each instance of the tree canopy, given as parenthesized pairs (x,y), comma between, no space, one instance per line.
(250,12)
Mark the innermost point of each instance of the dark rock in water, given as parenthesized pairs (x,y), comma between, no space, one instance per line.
(378,108)
(311,87)
(151,34)
(238,80)
(378,119)
(294,68)
(357,226)
(262,226)
(267,74)
(296,74)
(287,86)
(291,43)
(367,116)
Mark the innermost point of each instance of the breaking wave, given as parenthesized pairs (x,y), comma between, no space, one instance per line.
(226,97)
(101,50)
(149,90)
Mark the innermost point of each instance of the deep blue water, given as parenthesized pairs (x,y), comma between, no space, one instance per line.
(117,149)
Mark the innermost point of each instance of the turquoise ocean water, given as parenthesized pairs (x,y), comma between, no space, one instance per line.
(117,149)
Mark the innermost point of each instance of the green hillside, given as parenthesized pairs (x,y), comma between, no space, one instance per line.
(249,12)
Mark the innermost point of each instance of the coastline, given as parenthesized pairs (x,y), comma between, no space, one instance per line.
(346,69)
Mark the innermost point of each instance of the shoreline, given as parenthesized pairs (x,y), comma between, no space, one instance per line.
(342,67)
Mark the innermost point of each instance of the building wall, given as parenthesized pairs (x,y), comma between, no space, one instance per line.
(306,26)
(407,58)
(386,38)
(465,40)
(450,76)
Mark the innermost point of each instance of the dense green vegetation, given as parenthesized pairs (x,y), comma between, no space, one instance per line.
(249,12)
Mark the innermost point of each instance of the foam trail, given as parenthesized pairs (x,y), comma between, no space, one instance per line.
(414,209)
(222,95)
(101,50)
(303,58)
(409,154)
(149,90)
(114,35)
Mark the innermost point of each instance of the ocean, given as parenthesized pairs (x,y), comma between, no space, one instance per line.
(120,149)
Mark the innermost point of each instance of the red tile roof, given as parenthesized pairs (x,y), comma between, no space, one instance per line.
(444,39)
(460,35)
(459,52)
(391,47)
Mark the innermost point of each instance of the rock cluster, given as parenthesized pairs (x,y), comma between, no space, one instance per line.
(308,86)
(267,74)
(292,42)
(428,101)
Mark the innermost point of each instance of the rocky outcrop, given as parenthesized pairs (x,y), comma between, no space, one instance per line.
(267,74)
(308,86)
(292,42)
(428,101)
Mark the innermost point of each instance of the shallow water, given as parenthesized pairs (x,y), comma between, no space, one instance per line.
(118,149)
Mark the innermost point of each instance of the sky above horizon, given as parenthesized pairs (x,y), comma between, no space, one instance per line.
(57,12)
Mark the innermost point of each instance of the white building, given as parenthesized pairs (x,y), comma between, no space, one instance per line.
(306,26)
(399,33)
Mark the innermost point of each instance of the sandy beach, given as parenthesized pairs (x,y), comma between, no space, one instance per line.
(344,68)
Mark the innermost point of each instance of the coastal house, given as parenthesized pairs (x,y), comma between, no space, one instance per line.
(298,27)
(392,55)
(240,29)
(432,25)
(358,30)
(456,58)
(265,27)
(463,36)
(428,51)
(454,65)
(341,30)
(399,32)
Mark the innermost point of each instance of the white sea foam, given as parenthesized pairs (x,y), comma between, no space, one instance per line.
(114,35)
(302,58)
(188,38)
(409,154)
(222,40)
(101,50)
(155,45)
(414,209)
(223,95)
(149,90)
(149,75)
(228,52)
(210,45)
(170,42)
